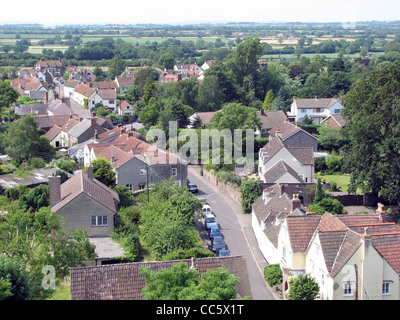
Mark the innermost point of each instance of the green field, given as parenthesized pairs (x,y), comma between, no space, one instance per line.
(342,180)
(39,49)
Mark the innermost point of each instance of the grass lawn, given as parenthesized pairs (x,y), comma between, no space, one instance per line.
(63,292)
(342,180)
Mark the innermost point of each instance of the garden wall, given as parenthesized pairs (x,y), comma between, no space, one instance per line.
(229,189)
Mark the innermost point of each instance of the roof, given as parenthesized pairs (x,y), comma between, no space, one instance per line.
(338,118)
(124,281)
(123,105)
(85,90)
(71,83)
(316,103)
(125,81)
(44,63)
(115,155)
(107,94)
(287,129)
(93,188)
(38,176)
(86,129)
(206,116)
(278,170)
(46,121)
(53,132)
(104,85)
(301,229)
(270,119)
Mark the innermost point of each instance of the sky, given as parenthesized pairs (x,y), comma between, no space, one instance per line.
(205,11)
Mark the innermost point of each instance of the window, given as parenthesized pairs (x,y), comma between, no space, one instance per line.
(386,288)
(174,172)
(99,221)
(141,186)
(129,186)
(110,101)
(347,289)
(336,111)
(303,110)
(142,172)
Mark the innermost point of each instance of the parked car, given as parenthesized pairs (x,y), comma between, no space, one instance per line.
(192,187)
(209,219)
(217,244)
(214,232)
(223,253)
(206,209)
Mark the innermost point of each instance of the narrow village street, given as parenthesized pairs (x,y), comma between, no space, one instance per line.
(237,231)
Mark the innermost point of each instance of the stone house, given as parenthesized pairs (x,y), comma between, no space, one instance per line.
(269,120)
(54,67)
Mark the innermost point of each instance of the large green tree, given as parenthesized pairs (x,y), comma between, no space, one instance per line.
(182,283)
(303,287)
(23,141)
(103,171)
(372,153)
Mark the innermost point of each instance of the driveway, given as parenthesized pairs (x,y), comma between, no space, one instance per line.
(237,231)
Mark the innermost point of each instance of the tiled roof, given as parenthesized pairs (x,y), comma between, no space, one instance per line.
(125,80)
(85,90)
(301,229)
(46,121)
(71,83)
(270,119)
(287,129)
(104,85)
(115,155)
(107,94)
(80,183)
(124,281)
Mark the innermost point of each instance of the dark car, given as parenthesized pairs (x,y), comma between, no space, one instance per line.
(223,253)
(192,187)
(217,244)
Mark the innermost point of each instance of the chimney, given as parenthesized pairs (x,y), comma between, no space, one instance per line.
(262,111)
(278,133)
(92,121)
(70,115)
(90,172)
(93,114)
(122,130)
(54,189)
(46,97)
(296,202)
(112,157)
(96,135)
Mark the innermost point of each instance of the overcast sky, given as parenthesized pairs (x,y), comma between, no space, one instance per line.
(186,11)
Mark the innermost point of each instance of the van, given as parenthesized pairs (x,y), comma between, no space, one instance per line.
(209,219)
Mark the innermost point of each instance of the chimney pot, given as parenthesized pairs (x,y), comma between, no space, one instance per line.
(296,202)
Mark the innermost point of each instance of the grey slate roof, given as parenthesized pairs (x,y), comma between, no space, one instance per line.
(322,103)
(278,170)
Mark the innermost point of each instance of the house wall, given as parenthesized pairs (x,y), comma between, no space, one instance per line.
(129,174)
(301,139)
(164,171)
(78,214)
(307,170)
(268,250)
(286,178)
(311,112)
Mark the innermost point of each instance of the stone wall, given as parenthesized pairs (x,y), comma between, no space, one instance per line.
(229,189)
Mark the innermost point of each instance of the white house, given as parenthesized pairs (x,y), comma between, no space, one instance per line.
(316,109)
(299,159)
(125,108)
(350,256)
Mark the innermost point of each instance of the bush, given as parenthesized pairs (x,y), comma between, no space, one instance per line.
(37,163)
(273,274)
(334,164)
(249,192)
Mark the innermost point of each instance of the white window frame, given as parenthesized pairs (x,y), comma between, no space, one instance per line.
(386,288)
(174,170)
(347,289)
(143,172)
(99,221)
(129,186)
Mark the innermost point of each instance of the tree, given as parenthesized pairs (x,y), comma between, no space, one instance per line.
(236,116)
(149,90)
(249,192)
(243,62)
(7,94)
(210,96)
(103,171)
(303,288)
(166,61)
(273,274)
(36,238)
(371,154)
(116,66)
(24,142)
(149,114)
(269,99)
(182,283)
(13,279)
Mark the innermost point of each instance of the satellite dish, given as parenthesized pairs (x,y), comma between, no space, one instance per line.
(335,286)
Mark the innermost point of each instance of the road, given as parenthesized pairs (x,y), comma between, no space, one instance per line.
(233,223)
